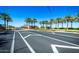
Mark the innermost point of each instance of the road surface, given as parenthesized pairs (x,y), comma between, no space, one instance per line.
(39,42)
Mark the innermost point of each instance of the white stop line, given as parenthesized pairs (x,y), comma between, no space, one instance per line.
(62,46)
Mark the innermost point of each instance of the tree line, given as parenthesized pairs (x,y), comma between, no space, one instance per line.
(56,21)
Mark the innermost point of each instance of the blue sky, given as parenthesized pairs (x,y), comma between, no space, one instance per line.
(19,13)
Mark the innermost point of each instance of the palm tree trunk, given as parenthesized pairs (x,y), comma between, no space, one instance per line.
(55,25)
(67,25)
(46,26)
(58,25)
(34,24)
(43,25)
(50,26)
(71,24)
(62,24)
(5,24)
(29,25)
(40,25)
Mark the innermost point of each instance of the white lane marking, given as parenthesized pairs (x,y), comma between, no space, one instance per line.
(26,32)
(23,32)
(32,35)
(27,36)
(65,35)
(31,49)
(36,35)
(63,46)
(60,40)
(54,49)
(53,32)
(13,42)
(69,32)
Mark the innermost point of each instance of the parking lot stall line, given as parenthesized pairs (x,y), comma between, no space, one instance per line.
(30,48)
(13,42)
(65,35)
(59,40)
(63,46)
(54,49)
(27,36)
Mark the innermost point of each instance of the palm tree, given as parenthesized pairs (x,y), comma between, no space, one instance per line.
(69,19)
(34,21)
(28,21)
(6,19)
(77,17)
(42,23)
(61,21)
(51,22)
(3,16)
(58,21)
(55,22)
(46,23)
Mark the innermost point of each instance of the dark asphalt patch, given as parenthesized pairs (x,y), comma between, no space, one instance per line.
(5,42)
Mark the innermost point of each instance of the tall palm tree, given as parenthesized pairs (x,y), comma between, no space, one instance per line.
(72,20)
(3,16)
(28,21)
(77,17)
(46,23)
(50,22)
(67,19)
(61,21)
(34,21)
(6,18)
(58,21)
(42,23)
(55,22)
(7,21)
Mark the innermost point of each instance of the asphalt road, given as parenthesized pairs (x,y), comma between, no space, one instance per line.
(39,42)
